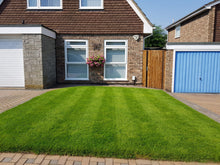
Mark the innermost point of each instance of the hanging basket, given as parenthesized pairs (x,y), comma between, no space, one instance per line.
(96,61)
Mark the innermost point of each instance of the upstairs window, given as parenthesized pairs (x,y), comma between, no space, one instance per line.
(91,4)
(44,4)
(177,31)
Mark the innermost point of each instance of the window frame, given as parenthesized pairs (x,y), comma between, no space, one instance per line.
(45,7)
(112,63)
(177,35)
(66,59)
(91,7)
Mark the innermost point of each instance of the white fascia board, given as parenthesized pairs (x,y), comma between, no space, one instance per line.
(193,47)
(213,4)
(148,28)
(27,30)
(48,32)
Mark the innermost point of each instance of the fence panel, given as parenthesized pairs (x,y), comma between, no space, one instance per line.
(155,68)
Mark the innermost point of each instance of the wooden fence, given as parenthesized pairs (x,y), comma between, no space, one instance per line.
(154,68)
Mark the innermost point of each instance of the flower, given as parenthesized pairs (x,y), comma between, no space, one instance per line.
(96,61)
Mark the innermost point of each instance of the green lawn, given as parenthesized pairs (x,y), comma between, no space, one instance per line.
(110,122)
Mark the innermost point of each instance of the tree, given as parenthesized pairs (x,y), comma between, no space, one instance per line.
(158,39)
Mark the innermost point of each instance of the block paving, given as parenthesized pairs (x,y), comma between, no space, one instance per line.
(12,98)
(32,159)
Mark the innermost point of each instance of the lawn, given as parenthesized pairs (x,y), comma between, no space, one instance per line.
(110,122)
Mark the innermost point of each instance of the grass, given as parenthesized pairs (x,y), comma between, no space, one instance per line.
(110,122)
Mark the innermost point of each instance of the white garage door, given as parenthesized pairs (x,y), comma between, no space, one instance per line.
(11,63)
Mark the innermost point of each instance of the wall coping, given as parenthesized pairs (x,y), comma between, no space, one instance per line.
(26,29)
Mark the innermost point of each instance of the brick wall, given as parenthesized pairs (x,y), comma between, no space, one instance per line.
(217,24)
(169,70)
(195,29)
(211,31)
(135,51)
(39,61)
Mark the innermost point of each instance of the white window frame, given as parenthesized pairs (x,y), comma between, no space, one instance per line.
(177,35)
(112,63)
(66,62)
(91,7)
(45,7)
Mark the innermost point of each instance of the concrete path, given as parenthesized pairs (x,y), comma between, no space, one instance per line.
(208,104)
(10,98)
(31,159)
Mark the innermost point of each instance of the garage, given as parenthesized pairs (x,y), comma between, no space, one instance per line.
(196,72)
(11,63)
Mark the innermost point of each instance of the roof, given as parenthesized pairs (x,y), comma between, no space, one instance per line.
(194,13)
(124,18)
(148,26)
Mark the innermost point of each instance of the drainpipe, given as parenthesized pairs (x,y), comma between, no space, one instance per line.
(148,37)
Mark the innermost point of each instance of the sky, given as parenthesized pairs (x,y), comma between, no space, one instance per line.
(163,12)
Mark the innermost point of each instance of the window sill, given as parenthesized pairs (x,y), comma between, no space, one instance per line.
(68,79)
(90,8)
(125,80)
(44,9)
(177,37)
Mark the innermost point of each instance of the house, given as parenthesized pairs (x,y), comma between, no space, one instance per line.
(43,42)
(193,56)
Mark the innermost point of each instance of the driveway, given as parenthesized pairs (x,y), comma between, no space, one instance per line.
(10,98)
(208,104)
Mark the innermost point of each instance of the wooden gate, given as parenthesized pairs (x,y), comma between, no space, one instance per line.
(154,68)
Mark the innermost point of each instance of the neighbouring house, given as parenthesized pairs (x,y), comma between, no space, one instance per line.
(193,56)
(43,42)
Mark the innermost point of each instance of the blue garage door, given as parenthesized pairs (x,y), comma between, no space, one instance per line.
(197,72)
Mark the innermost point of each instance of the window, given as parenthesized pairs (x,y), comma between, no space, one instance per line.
(91,4)
(116,60)
(44,4)
(177,31)
(76,52)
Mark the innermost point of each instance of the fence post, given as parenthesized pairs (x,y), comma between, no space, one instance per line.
(144,76)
